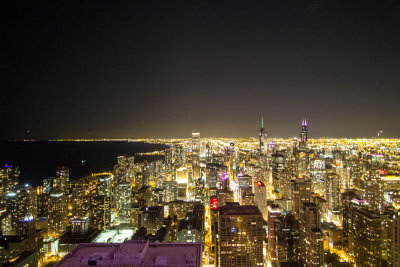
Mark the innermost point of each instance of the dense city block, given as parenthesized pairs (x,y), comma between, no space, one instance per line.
(213,202)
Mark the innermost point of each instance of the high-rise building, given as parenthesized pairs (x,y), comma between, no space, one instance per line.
(303,136)
(278,166)
(62,179)
(151,218)
(365,236)
(311,236)
(302,164)
(374,190)
(57,222)
(301,192)
(261,135)
(332,191)
(19,202)
(396,240)
(101,215)
(274,229)
(260,198)
(195,155)
(240,236)
(9,177)
(123,202)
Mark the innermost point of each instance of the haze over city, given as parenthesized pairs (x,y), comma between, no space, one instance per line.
(163,68)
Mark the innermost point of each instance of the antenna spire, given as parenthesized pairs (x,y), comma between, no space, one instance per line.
(262,122)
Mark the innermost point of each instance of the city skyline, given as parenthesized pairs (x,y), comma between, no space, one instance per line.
(162,69)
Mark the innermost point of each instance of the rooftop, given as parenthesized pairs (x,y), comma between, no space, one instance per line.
(239,210)
(134,253)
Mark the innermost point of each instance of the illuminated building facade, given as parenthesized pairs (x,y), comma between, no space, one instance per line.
(123,198)
(274,229)
(332,191)
(57,221)
(241,236)
(301,192)
(311,236)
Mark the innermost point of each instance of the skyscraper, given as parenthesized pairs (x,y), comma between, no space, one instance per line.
(241,236)
(274,228)
(311,236)
(262,136)
(332,191)
(303,136)
(301,192)
(195,155)
(303,153)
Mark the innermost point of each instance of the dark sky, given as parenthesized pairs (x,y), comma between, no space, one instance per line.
(163,68)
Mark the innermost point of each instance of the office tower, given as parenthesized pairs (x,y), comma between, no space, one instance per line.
(245,196)
(311,236)
(195,155)
(365,236)
(317,172)
(179,208)
(260,198)
(302,164)
(151,218)
(322,206)
(225,196)
(284,184)
(179,156)
(241,236)
(212,175)
(101,215)
(169,162)
(62,179)
(332,191)
(274,229)
(104,185)
(199,191)
(82,193)
(190,229)
(57,221)
(278,166)
(182,175)
(343,173)
(303,136)
(349,198)
(212,233)
(22,249)
(170,191)
(374,190)
(21,201)
(123,202)
(288,239)
(301,192)
(396,240)
(9,177)
(261,135)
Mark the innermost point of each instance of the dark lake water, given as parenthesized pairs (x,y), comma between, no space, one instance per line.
(39,160)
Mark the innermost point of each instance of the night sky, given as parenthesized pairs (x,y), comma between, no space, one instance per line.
(129,69)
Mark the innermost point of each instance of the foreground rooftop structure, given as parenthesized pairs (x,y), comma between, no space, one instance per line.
(134,253)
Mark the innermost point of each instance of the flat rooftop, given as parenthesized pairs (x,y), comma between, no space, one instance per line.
(134,253)
(239,210)
(114,236)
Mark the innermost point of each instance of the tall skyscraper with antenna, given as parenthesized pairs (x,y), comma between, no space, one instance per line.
(261,136)
(303,155)
(303,136)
